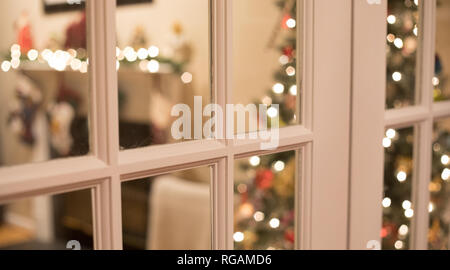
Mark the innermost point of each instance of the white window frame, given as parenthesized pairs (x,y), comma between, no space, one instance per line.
(369,123)
(323,139)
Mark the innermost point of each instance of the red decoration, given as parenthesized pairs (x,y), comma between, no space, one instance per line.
(76,34)
(389,230)
(264,179)
(284,21)
(289,235)
(24,37)
(289,52)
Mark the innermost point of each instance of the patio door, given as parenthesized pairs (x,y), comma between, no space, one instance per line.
(411,64)
(296,193)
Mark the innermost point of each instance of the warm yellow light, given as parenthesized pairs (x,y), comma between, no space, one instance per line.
(430,207)
(267,100)
(142,54)
(406,205)
(32,55)
(391,133)
(403,230)
(238,237)
(279,166)
(6,66)
(291,23)
(397,76)
(284,59)
(290,71)
(274,223)
(402,176)
(445,174)
(153,51)
(399,244)
(255,161)
(387,142)
(272,112)
(386,202)
(75,64)
(398,42)
(445,160)
(278,88)
(293,90)
(391,19)
(153,66)
(186,78)
(409,213)
(259,216)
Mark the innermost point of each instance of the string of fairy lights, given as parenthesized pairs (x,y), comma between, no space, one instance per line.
(401,175)
(399,43)
(391,136)
(77,60)
(259,216)
(279,88)
(278,166)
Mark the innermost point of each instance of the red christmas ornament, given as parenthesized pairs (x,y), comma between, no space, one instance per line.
(264,179)
(289,52)
(284,21)
(389,230)
(289,236)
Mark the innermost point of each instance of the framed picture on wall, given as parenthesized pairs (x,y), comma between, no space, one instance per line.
(54,6)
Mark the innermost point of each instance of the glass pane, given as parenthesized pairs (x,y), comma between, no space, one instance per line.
(48,223)
(168,212)
(442,66)
(397,203)
(402,41)
(265,57)
(264,203)
(44,84)
(163,60)
(439,208)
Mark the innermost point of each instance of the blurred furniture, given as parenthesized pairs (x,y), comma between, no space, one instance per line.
(179,215)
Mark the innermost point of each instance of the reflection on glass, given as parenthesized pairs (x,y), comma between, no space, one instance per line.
(397,204)
(439,208)
(44,84)
(47,222)
(265,202)
(265,56)
(442,65)
(162,60)
(402,41)
(168,212)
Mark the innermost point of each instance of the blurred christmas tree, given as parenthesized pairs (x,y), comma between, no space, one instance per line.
(402,53)
(265,196)
(439,208)
(403,18)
